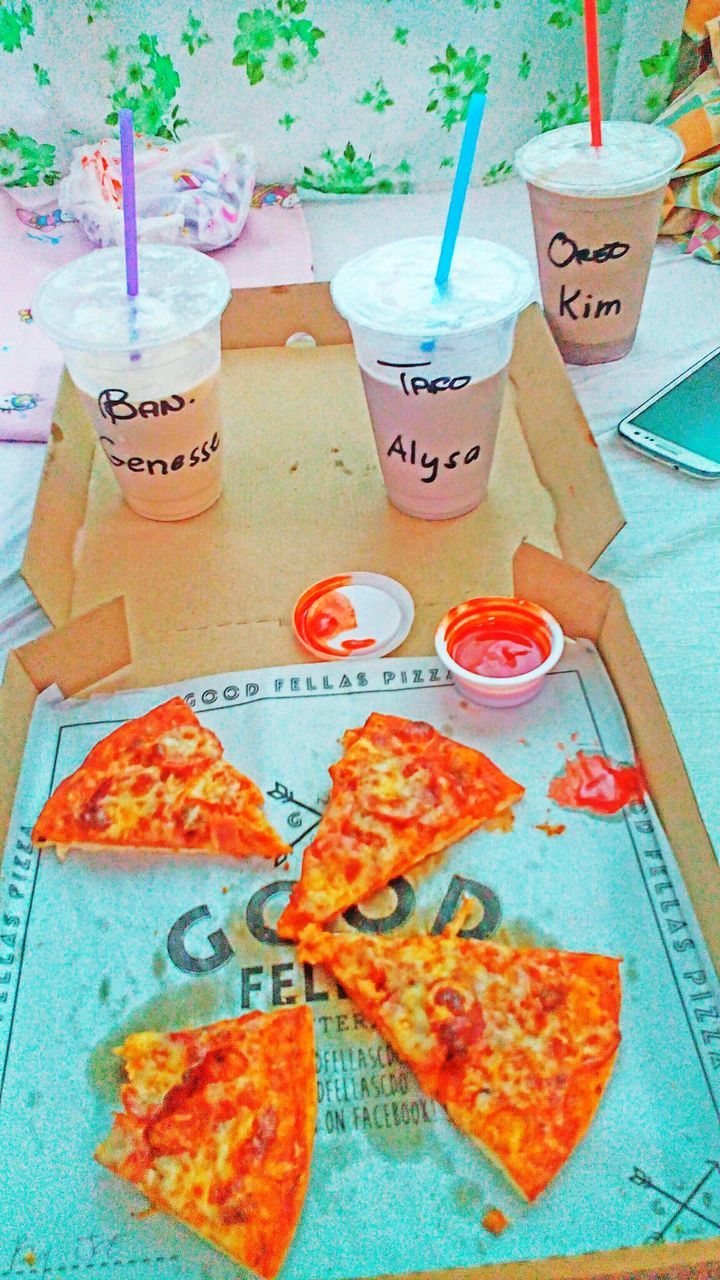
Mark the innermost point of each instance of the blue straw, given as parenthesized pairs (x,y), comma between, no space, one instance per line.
(476,108)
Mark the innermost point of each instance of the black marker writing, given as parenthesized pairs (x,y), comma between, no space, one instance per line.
(589,309)
(416,385)
(431,463)
(201,452)
(563,250)
(114,404)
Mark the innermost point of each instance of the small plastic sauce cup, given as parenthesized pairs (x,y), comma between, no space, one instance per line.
(499,649)
(353,615)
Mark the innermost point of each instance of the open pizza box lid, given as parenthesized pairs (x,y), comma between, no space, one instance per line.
(137,603)
(304,500)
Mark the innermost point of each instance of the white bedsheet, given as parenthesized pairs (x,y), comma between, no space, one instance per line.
(665,562)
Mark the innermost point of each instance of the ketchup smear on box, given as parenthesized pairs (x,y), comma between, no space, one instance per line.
(595,783)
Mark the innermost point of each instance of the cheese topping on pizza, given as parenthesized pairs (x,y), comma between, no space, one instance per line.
(518,1045)
(159,782)
(401,793)
(218,1127)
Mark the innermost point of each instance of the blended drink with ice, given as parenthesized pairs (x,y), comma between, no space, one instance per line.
(147,370)
(434,363)
(596,213)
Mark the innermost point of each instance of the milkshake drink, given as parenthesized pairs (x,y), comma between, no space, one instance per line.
(434,363)
(596,212)
(147,370)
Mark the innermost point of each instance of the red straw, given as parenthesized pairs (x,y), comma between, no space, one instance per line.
(592,58)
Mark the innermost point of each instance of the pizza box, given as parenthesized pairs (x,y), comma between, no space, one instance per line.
(81,655)
(303,499)
(136,603)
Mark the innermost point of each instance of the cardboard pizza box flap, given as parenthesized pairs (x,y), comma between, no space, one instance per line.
(700,1261)
(566,456)
(60,507)
(74,658)
(578,600)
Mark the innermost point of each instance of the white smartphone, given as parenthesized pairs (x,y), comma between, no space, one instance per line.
(680,425)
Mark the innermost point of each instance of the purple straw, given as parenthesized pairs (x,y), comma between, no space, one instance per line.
(127,169)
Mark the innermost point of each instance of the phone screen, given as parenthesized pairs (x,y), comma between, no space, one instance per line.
(689,414)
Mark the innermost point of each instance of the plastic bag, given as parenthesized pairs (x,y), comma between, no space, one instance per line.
(195,193)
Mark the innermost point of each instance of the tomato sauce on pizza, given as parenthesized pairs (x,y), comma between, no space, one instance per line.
(159,783)
(517,1045)
(217,1128)
(401,792)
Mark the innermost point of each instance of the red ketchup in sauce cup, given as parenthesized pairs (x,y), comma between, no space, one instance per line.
(499,649)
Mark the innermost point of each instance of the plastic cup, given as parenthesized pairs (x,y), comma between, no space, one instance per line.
(434,363)
(146,369)
(499,649)
(596,212)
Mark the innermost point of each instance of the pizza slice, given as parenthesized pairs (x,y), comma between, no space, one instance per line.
(517,1045)
(218,1127)
(400,793)
(160,783)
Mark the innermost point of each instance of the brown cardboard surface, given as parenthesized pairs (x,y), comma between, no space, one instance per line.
(694,1260)
(17,699)
(268,317)
(78,655)
(563,446)
(60,507)
(294,510)
(304,498)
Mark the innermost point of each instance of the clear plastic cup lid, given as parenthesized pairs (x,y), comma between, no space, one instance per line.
(392,289)
(353,615)
(633,158)
(84,305)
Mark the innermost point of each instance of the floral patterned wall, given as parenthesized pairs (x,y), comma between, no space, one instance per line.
(341,96)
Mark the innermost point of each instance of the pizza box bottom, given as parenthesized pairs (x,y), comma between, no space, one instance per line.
(85,653)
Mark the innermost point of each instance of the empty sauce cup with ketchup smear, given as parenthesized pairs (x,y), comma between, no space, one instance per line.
(499,649)
(353,615)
